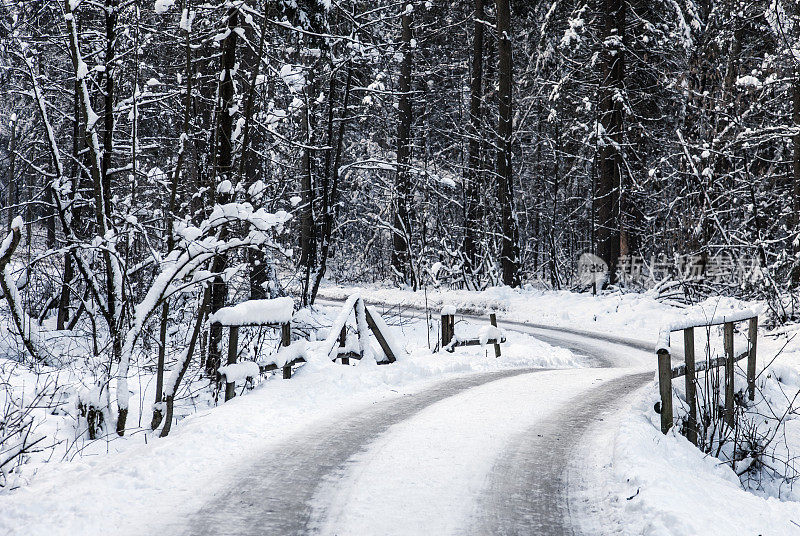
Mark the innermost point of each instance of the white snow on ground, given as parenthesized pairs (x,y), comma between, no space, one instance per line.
(638,316)
(424,475)
(144,482)
(643,483)
(140,483)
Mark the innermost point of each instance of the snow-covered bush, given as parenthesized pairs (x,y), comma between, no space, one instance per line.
(18,424)
(759,447)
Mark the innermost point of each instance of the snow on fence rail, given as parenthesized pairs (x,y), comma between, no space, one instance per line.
(666,372)
(276,313)
(486,334)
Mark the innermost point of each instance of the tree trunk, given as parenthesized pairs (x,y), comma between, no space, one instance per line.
(224,171)
(13,195)
(611,118)
(474,161)
(795,248)
(330,194)
(472,201)
(170,220)
(256,259)
(509,251)
(308,241)
(175,381)
(401,232)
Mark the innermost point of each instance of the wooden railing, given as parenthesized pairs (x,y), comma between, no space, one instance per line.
(338,334)
(450,342)
(233,350)
(666,373)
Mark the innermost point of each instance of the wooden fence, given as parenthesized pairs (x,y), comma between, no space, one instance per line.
(449,340)
(338,335)
(666,373)
(233,351)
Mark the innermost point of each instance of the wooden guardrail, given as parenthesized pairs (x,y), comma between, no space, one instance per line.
(450,342)
(666,373)
(278,314)
(233,351)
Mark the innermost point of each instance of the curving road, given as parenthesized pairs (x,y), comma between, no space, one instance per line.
(375,472)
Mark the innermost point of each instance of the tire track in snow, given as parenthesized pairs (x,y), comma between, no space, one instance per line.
(275,495)
(528,491)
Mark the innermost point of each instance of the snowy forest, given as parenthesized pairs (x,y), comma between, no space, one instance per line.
(161,160)
(467,144)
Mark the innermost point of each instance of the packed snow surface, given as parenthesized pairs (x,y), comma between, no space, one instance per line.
(140,484)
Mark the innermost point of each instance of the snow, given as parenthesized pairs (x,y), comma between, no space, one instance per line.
(293,77)
(640,482)
(162,6)
(452,457)
(225,187)
(487,333)
(662,485)
(633,315)
(255,312)
(696,320)
(448,310)
(239,372)
(141,484)
(287,354)
(186,20)
(748,81)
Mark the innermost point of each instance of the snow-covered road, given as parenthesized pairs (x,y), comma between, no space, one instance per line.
(484,453)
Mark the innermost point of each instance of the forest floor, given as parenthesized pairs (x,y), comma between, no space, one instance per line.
(623,476)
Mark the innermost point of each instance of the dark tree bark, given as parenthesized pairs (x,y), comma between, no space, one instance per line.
(13,195)
(330,186)
(795,220)
(611,120)
(170,222)
(223,171)
(472,203)
(509,251)
(401,232)
(256,259)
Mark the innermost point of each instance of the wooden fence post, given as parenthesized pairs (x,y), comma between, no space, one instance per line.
(691,393)
(448,325)
(233,351)
(729,374)
(382,342)
(286,340)
(751,359)
(493,320)
(343,343)
(665,388)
